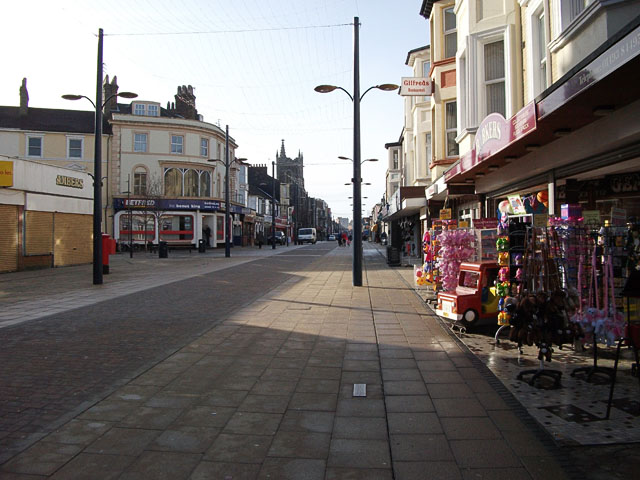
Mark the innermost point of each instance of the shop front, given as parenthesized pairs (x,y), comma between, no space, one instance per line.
(406,206)
(46,216)
(140,222)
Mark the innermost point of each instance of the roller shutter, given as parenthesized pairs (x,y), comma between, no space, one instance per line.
(38,234)
(72,242)
(8,238)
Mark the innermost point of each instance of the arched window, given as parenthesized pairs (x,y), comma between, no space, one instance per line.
(140,181)
(205,184)
(173,182)
(190,183)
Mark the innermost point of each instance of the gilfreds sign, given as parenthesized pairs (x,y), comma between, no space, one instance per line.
(72,182)
(418,86)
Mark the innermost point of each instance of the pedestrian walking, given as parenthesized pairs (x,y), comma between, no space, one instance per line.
(349,240)
(344,238)
(260,239)
(339,239)
(207,235)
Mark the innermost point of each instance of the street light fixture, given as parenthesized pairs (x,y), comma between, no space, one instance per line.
(356,98)
(97,167)
(227,163)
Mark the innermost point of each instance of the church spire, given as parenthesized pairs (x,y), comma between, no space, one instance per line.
(283,155)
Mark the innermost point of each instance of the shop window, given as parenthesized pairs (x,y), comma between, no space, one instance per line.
(173,182)
(142,229)
(176,227)
(220,228)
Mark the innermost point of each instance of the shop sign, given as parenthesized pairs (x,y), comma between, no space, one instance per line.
(463,224)
(415,86)
(517,206)
(6,174)
(612,59)
(540,220)
(494,134)
(591,217)
(445,214)
(483,223)
(167,204)
(73,182)
(618,216)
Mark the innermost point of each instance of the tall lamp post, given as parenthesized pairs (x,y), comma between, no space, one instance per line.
(356,98)
(97,167)
(227,163)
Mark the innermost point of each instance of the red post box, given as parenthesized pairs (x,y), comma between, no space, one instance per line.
(108,247)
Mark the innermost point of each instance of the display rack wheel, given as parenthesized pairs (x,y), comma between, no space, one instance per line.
(470,318)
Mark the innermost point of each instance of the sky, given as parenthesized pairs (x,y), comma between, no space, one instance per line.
(253,65)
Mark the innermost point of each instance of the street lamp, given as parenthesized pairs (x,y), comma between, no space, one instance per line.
(227,163)
(356,98)
(97,167)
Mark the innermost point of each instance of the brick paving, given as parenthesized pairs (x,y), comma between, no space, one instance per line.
(248,373)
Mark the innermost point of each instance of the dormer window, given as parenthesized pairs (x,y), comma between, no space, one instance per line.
(148,109)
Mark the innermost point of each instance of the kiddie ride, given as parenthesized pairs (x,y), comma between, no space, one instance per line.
(475,299)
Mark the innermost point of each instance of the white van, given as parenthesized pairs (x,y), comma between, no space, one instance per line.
(307,235)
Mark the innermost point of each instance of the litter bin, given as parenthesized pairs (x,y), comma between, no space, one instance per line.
(201,246)
(163,250)
(393,256)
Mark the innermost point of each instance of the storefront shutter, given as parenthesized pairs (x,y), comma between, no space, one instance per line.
(72,236)
(38,234)
(8,238)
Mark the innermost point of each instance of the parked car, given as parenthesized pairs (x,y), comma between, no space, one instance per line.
(332,238)
(280,238)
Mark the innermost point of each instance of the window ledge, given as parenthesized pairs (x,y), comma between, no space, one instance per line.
(568,34)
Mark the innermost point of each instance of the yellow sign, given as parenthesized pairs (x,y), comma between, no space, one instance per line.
(445,214)
(6,174)
(73,182)
(463,224)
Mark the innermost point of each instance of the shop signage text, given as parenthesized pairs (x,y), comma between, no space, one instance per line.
(415,86)
(6,174)
(72,182)
(614,58)
(494,134)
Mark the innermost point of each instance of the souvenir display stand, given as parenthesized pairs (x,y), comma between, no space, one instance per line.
(631,290)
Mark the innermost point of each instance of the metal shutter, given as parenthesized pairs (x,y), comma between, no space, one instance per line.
(8,238)
(72,239)
(38,234)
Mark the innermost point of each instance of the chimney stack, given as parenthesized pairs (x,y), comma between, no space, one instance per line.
(24,99)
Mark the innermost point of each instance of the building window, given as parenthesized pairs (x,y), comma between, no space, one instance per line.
(34,146)
(153,110)
(494,81)
(177,142)
(190,183)
(140,142)
(426,68)
(451,123)
(204,147)
(450,33)
(140,181)
(173,182)
(395,159)
(205,184)
(427,145)
(74,147)
(138,109)
(539,53)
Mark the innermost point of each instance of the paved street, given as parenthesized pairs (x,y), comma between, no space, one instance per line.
(244,368)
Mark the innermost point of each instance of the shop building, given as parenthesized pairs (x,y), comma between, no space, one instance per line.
(46,196)
(167,175)
(46,216)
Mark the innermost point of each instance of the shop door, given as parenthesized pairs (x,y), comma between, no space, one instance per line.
(72,239)
(8,238)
